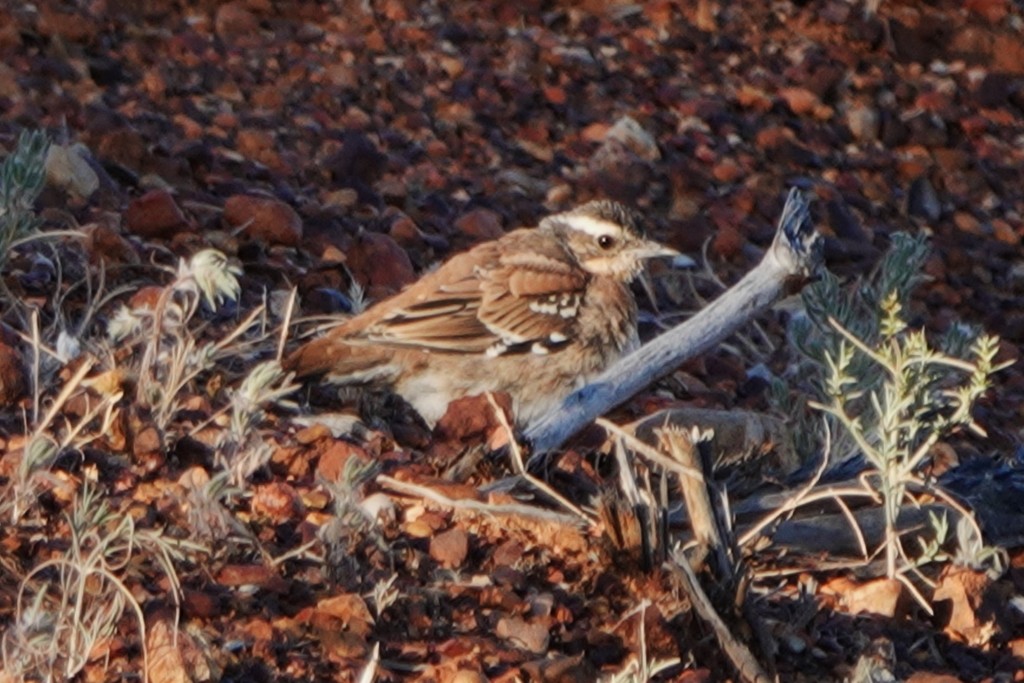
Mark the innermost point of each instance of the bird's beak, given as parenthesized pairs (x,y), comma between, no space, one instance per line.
(649,249)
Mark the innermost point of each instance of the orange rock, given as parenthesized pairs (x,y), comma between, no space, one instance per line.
(234,575)
(771,137)
(103,243)
(750,97)
(12,375)
(154,214)
(965,222)
(376,261)
(727,171)
(234,20)
(555,94)
(147,441)
(147,297)
(312,434)
(449,549)
(1004,232)
(265,219)
(992,11)
(728,242)
(276,501)
(332,463)
(480,224)
(800,101)
(880,596)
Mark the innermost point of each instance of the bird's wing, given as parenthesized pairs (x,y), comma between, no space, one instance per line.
(522,300)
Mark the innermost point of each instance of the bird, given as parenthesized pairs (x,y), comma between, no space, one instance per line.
(535,313)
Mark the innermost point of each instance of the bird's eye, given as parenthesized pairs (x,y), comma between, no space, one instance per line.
(606,242)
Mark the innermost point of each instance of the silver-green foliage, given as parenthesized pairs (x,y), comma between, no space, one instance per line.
(22,176)
(899,400)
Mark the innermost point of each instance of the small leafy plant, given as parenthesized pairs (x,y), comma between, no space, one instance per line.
(22,177)
(922,395)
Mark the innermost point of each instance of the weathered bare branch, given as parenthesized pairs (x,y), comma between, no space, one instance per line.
(794,252)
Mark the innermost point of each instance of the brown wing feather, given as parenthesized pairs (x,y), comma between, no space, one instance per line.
(509,297)
(507,293)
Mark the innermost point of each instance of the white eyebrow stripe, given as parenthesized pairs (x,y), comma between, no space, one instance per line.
(592,226)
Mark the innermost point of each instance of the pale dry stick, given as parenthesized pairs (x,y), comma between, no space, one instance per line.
(703,520)
(921,600)
(794,252)
(286,323)
(949,500)
(627,474)
(427,493)
(105,405)
(37,344)
(795,501)
(649,452)
(520,466)
(647,669)
(749,669)
(369,672)
(240,328)
(65,394)
(301,551)
(857,531)
(828,493)
(87,575)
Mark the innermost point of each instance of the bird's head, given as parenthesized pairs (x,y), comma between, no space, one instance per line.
(606,238)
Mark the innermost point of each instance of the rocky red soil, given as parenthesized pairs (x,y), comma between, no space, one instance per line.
(325,144)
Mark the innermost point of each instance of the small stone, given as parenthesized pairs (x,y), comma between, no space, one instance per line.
(154,214)
(628,132)
(124,146)
(233,20)
(728,242)
(254,143)
(521,634)
(332,462)
(147,441)
(68,168)
(449,549)
(863,121)
(800,101)
(1004,232)
(773,137)
(146,298)
(965,222)
(468,677)
(480,224)
(12,375)
(312,434)
(727,171)
(262,576)
(923,200)
(263,218)
(379,264)
(992,11)
(103,243)
(405,231)
(508,553)
(277,502)
(750,97)
(9,86)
